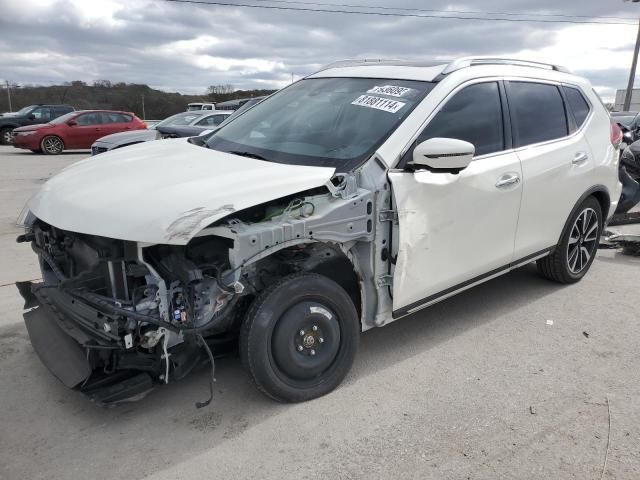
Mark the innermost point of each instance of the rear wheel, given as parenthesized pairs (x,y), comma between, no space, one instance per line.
(573,256)
(52,145)
(299,338)
(5,136)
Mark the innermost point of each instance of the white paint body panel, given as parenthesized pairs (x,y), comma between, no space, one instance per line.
(163,192)
(453,227)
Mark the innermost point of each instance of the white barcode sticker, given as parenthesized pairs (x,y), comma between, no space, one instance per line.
(391,90)
(384,104)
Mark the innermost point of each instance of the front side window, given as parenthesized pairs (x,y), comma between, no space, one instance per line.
(212,120)
(537,111)
(42,114)
(474,115)
(332,122)
(577,104)
(87,119)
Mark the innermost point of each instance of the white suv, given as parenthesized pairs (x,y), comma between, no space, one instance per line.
(356,196)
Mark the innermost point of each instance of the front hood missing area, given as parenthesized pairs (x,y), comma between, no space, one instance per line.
(164,191)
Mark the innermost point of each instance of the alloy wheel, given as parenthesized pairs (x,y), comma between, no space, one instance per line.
(7,137)
(583,240)
(52,145)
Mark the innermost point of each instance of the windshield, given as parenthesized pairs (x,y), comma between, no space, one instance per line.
(184,118)
(21,112)
(194,108)
(332,122)
(63,118)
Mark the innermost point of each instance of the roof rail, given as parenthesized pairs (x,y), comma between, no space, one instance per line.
(472,61)
(378,61)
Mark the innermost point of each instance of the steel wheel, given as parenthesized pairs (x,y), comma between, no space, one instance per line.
(583,240)
(52,145)
(299,337)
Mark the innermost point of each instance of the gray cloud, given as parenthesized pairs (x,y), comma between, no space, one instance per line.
(152,41)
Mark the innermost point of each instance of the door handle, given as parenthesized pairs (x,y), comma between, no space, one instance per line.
(580,158)
(508,179)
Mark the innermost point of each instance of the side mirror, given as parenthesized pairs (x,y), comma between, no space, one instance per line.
(72,123)
(31,116)
(442,155)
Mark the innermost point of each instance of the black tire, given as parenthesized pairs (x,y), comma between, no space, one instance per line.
(286,358)
(5,136)
(52,145)
(568,263)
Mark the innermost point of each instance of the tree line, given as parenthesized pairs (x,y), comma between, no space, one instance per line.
(140,99)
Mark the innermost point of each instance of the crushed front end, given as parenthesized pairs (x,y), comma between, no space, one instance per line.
(113,319)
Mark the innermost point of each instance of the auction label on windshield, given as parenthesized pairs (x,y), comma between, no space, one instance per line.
(391,90)
(384,104)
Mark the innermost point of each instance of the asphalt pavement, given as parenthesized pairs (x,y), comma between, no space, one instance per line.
(518,378)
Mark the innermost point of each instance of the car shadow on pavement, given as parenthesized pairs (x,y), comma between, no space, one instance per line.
(60,420)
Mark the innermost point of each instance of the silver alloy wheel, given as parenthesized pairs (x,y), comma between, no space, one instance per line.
(583,240)
(52,145)
(7,136)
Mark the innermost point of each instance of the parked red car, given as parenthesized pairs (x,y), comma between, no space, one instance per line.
(75,130)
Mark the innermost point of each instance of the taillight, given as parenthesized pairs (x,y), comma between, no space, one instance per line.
(616,134)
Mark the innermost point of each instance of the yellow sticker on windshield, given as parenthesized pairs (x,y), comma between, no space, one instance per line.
(384,104)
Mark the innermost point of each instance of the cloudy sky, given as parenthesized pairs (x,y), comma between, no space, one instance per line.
(186,47)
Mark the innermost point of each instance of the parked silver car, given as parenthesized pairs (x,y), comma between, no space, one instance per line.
(123,139)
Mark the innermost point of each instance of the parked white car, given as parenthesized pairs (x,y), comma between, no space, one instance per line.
(352,198)
(196,106)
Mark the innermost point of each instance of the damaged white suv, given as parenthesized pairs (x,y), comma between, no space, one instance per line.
(352,198)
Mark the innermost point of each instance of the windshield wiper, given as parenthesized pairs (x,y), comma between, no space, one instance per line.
(248,155)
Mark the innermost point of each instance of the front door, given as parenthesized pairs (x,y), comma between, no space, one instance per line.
(89,127)
(457,230)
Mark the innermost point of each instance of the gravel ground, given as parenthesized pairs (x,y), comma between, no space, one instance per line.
(515,379)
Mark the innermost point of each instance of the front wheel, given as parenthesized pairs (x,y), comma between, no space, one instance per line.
(52,145)
(299,338)
(573,256)
(5,136)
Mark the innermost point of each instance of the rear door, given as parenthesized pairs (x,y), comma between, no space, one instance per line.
(556,162)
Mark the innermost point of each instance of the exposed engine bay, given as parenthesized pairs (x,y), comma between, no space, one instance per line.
(127,316)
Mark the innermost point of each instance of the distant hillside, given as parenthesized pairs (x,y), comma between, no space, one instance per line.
(117,96)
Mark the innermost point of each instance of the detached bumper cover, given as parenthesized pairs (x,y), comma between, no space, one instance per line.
(60,353)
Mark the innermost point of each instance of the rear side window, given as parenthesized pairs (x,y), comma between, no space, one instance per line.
(474,114)
(537,111)
(577,104)
(111,117)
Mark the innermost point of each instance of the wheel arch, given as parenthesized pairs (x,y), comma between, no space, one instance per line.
(331,260)
(601,194)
